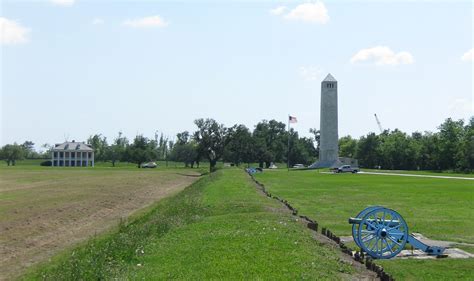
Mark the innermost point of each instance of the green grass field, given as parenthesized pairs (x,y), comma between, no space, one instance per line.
(220,227)
(437,208)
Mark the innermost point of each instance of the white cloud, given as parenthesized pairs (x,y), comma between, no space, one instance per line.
(309,12)
(382,55)
(468,56)
(146,22)
(64,3)
(311,72)
(97,21)
(278,10)
(11,32)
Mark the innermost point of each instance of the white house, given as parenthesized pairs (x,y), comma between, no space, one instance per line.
(72,154)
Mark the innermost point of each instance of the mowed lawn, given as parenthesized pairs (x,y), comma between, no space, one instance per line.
(44,210)
(437,208)
(221,227)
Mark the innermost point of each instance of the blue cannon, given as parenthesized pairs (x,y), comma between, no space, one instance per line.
(252,171)
(383,233)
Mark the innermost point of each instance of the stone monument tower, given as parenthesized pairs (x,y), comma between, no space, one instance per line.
(329,148)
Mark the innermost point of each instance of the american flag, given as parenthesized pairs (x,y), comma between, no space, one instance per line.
(292,119)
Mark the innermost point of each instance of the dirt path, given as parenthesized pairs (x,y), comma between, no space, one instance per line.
(44,213)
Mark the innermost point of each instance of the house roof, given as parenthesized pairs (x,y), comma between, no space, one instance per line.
(329,78)
(72,146)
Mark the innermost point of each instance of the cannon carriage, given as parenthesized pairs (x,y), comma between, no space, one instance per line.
(383,233)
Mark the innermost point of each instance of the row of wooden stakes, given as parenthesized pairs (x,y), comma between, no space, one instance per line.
(313,225)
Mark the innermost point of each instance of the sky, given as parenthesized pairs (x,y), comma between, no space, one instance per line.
(72,68)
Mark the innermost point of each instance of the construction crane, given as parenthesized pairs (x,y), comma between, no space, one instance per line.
(378,123)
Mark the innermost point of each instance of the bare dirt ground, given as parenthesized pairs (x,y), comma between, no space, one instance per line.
(45,211)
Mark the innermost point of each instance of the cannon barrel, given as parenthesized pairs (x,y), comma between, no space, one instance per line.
(389,223)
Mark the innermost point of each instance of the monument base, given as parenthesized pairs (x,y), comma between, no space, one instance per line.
(335,163)
(326,164)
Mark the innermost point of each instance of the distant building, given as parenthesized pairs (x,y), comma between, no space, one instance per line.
(72,154)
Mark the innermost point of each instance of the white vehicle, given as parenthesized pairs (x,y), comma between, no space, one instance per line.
(149,165)
(298,166)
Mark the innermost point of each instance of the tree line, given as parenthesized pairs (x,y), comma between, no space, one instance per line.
(212,142)
(10,153)
(450,148)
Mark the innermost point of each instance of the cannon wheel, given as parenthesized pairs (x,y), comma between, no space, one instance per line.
(355,226)
(383,233)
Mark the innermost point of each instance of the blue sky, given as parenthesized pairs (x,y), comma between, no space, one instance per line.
(75,68)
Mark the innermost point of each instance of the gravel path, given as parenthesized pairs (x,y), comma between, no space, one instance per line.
(413,175)
(408,175)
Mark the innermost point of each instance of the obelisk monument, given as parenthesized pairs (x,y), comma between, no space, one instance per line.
(329,148)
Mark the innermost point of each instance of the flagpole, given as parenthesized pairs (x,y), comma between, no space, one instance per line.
(288,152)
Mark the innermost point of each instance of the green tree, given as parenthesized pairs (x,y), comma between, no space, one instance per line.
(271,142)
(239,147)
(347,147)
(302,150)
(262,154)
(183,137)
(46,153)
(210,138)
(185,152)
(11,153)
(317,138)
(368,151)
(140,151)
(395,151)
(465,154)
(450,136)
(416,148)
(163,149)
(116,151)
(99,144)
(429,151)
(29,149)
